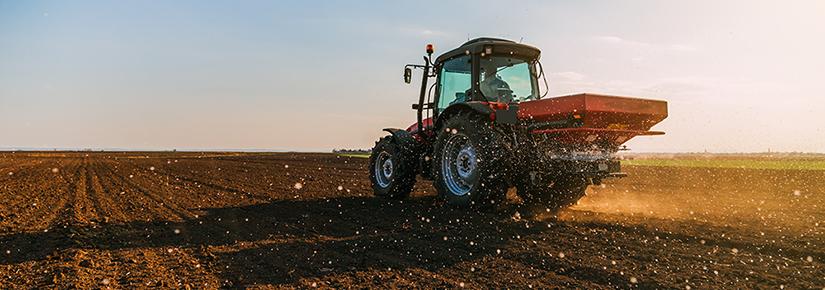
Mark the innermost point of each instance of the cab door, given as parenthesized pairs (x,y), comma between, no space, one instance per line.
(455,79)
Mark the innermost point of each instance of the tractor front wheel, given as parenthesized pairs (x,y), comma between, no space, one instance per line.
(392,169)
(467,162)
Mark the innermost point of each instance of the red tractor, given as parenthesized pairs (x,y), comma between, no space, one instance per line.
(483,127)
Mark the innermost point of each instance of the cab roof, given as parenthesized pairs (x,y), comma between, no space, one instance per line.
(499,46)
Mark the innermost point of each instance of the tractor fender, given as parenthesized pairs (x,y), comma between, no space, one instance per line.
(473,107)
(403,138)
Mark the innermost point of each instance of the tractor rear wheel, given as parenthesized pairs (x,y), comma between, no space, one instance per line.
(553,197)
(467,162)
(392,169)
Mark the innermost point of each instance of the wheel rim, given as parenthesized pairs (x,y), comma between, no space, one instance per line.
(459,164)
(383,169)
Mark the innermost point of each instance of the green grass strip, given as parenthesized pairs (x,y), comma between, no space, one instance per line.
(731,163)
(355,155)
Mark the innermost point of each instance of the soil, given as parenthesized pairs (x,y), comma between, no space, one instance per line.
(289,220)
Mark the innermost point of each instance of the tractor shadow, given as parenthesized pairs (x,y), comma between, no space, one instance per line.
(286,241)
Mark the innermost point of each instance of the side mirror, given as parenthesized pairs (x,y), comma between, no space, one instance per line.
(407,75)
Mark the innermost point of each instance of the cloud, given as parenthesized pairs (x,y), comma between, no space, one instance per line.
(610,39)
(615,40)
(618,40)
(691,85)
(418,31)
(682,47)
(568,75)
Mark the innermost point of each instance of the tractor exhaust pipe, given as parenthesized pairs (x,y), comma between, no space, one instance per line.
(425,76)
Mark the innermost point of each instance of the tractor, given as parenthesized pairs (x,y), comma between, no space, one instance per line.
(483,127)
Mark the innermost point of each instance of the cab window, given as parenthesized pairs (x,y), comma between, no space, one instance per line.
(506,79)
(455,81)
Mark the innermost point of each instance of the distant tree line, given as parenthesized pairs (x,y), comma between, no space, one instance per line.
(352,151)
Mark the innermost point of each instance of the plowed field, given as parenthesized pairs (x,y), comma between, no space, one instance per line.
(193,220)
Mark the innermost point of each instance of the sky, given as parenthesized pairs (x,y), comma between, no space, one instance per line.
(739,76)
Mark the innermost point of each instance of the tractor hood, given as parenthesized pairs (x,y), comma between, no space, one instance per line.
(591,118)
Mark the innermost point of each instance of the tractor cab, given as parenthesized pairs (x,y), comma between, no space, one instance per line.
(487,69)
(482,70)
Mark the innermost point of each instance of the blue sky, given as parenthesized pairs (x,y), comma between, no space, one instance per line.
(306,75)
